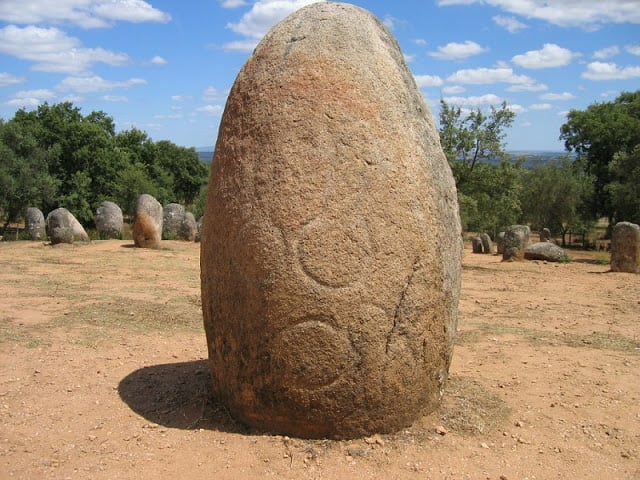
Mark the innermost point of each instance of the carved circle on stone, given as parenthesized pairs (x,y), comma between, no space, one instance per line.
(334,251)
(311,354)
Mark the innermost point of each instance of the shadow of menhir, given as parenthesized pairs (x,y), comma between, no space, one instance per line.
(177,395)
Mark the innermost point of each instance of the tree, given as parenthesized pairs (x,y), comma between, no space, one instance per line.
(597,135)
(624,188)
(24,176)
(488,183)
(466,140)
(553,196)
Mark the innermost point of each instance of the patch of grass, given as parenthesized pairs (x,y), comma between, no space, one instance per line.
(598,340)
(469,408)
(602,258)
(96,322)
(10,332)
(603,341)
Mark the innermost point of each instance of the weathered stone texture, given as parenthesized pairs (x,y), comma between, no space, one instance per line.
(147,225)
(63,227)
(625,248)
(547,251)
(476,245)
(35,224)
(331,246)
(109,220)
(487,244)
(516,239)
(500,243)
(188,228)
(172,218)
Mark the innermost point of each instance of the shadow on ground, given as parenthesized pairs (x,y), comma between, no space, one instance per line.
(177,395)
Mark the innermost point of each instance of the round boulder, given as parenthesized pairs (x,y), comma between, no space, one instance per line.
(331,246)
(147,225)
(547,251)
(35,224)
(625,248)
(109,220)
(500,243)
(63,227)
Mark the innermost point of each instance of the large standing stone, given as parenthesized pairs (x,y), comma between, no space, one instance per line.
(109,220)
(147,225)
(63,227)
(516,239)
(487,244)
(476,245)
(625,248)
(331,248)
(35,224)
(188,228)
(172,218)
(500,243)
(546,251)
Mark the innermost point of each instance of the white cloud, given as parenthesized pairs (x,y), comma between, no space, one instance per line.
(550,56)
(453,90)
(606,52)
(511,24)
(181,98)
(540,106)
(488,99)
(557,96)
(566,13)
(213,95)
(31,98)
(485,76)
(52,50)
(232,3)
(7,79)
(420,41)
(263,15)
(458,51)
(528,87)
(115,98)
(84,13)
(609,71)
(95,84)
(158,60)
(424,81)
(210,110)
(515,108)
(633,49)
(409,57)
(391,22)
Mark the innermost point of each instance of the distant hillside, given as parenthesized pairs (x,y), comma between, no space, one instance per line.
(205,154)
(531,158)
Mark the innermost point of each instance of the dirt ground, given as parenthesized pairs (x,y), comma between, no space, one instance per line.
(104,376)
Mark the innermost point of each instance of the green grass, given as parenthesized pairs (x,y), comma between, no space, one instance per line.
(597,340)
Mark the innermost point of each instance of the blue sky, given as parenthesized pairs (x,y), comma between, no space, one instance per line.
(166,66)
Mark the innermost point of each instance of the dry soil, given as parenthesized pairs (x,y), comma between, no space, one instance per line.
(104,376)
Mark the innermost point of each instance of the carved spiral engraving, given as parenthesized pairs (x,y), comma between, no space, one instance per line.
(311,354)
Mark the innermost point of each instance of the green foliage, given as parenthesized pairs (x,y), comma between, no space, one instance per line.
(466,140)
(488,194)
(554,195)
(599,135)
(624,188)
(56,157)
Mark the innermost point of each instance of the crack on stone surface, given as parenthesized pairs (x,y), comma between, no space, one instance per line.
(403,295)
